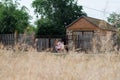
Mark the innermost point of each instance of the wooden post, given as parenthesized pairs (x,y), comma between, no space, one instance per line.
(16,37)
(49,41)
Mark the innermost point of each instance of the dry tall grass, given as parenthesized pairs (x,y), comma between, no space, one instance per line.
(47,66)
(105,43)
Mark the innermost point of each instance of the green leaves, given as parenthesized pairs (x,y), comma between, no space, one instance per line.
(114,19)
(59,13)
(12,19)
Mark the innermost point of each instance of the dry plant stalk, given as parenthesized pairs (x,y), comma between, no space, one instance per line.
(103,43)
(46,66)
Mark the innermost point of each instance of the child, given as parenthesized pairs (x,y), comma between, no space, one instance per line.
(58,46)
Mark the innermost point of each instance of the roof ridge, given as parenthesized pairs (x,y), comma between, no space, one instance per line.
(102,24)
(99,22)
(75,21)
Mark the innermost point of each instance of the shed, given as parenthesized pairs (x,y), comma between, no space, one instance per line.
(82,31)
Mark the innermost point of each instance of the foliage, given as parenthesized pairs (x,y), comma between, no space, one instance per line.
(47,27)
(114,18)
(55,15)
(12,18)
(31,29)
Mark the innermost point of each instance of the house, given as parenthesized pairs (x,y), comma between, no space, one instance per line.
(82,31)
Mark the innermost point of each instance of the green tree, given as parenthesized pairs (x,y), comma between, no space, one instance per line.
(55,15)
(31,29)
(114,19)
(12,18)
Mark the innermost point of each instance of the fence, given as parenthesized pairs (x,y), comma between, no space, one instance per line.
(42,43)
(45,43)
(11,39)
(7,39)
(82,40)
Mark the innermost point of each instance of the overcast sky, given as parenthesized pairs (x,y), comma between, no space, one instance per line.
(100,8)
(94,8)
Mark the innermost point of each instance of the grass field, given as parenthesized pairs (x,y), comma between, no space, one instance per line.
(47,66)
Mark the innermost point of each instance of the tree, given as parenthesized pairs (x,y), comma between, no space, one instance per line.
(31,29)
(114,19)
(12,18)
(55,15)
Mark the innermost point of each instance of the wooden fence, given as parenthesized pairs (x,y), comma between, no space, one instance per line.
(41,43)
(45,43)
(81,40)
(7,39)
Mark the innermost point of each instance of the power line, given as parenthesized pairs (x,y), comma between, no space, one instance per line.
(97,10)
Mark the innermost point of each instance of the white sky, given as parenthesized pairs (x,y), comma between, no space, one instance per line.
(28,4)
(108,5)
(88,6)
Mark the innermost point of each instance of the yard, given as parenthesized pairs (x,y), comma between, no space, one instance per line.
(47,66)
